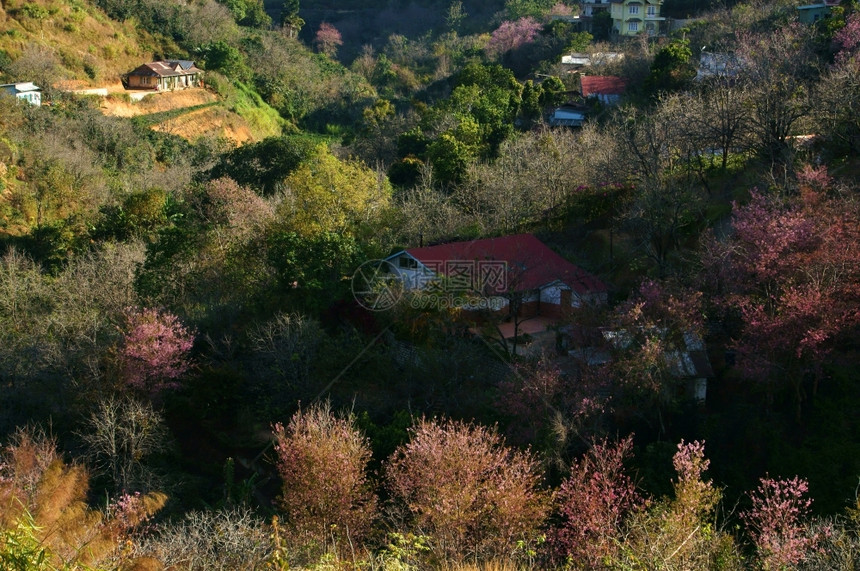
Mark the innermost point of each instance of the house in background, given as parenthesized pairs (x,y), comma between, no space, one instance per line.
(567,116)
(688,364)
(502,268)
(164,76)
(811,13)
(608,89)
(633,17)
(25,91)
(592,7)
(516,284)
(574,61)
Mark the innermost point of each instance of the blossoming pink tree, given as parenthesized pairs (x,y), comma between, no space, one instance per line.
(155,348)
(776,522)
(328,39)
(510,36)
(322,460)
(469,493)
(593,503)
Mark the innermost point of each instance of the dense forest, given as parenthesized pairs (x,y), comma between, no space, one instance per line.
(189,381)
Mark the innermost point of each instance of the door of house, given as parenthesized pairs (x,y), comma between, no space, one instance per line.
(565,300)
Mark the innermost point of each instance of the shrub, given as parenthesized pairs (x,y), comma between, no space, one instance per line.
(325,495)
(593,503)
(776,522)
(468,492)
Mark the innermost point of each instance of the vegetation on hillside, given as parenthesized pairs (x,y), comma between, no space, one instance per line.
(188,381)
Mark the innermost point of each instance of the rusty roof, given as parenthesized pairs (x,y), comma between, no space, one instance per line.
(167,68)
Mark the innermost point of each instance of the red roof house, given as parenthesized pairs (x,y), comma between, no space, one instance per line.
(606,88)
(518,266)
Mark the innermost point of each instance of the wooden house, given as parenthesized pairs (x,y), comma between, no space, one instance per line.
(164,76)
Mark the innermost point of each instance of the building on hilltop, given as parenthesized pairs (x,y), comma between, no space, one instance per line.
(634,17)
(608,89)
(24,91)
(164,76)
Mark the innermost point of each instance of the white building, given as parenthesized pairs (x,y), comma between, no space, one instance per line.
(25,91)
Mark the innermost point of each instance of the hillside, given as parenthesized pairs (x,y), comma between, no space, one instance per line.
(52,40)
(362,301)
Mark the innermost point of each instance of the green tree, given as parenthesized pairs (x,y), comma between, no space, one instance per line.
(328,194)
(552,92)
(450,158)
(601,25)
(263,165)
(290,19)
(223,57)
(530,108)
(249,13)
(313,271)
(579,42)
(672,68)
(537,9)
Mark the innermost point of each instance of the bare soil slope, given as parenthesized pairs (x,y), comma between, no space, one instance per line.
(210,121)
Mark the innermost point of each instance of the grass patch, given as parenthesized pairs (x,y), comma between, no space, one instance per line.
(263,120)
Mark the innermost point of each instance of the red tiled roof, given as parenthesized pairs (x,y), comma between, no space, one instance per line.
(531,264)
(603,85)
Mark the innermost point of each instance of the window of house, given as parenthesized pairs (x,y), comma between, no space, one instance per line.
(652,10)
(633,9)
(408,263)
(633,26)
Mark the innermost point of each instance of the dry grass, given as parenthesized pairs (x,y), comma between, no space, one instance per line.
(494,565)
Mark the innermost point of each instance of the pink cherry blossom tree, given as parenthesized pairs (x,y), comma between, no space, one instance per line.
(790,273)
(469,493)
(510,36)
(154,352)
(322,460)
(328,39)
(593,504)
(776,522)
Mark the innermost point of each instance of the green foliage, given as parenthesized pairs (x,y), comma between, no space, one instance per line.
(223,57)
(249,13)
(601,25)
(140,213)
(263,166)
(34,11)
(21,549)
(290,13)
(313,272)
(531,108)
(387,437)
(450,158)
(552,92)
(672,68)
(483,106)
(579,42)
(326,194)
(537,9)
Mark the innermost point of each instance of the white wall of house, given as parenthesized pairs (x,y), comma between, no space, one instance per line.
(413,274)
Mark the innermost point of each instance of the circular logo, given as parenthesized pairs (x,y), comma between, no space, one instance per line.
(376,285)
